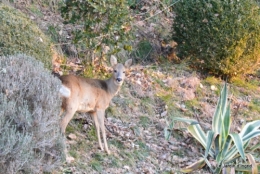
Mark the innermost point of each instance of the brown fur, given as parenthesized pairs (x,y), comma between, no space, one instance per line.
(92,96)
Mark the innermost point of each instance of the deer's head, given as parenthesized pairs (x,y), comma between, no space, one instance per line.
(119,70)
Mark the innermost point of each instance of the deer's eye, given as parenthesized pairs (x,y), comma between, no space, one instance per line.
(124,72)
(115,71)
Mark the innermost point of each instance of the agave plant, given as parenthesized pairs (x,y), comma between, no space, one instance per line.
(221,145)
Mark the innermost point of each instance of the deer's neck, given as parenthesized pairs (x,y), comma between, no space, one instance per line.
(112,87)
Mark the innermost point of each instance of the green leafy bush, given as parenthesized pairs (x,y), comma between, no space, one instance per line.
(20,35)
(30,138)
(220,36)
(221,146)
(99,23)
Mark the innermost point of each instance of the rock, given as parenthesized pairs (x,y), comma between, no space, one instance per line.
(70,159)
(183,106)
(72,136)
(164,114)
(190,82)
(85,126)
(126,167)
(71,142)
(173,147)
(188,95)
(163,156)
(242,121)
(213,88)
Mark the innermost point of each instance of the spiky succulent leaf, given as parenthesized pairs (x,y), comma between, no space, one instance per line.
(226,123)
(185,120)
(198,133)
(233,153)
(216,143)
(251,135)
(195,166)
(208,163)
(210,136)
(250,130)
(168,131)
(253,148)
(251,160)
(238,143)
(249,127)
(220,110)
(223,152)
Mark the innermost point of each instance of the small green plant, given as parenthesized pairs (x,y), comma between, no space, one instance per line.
(194,103)
(96,165)
(211,80)
(129,158)
(142,151)
(74,153)
(98,156)
(92,134)
(144,121)
(117,143)
(53,33)
(241,82)
(216,38)
(35,10)
(254,105)
(143,51)
(115,162)
(220,144)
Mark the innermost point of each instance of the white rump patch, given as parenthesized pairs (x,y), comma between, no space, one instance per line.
(65,92)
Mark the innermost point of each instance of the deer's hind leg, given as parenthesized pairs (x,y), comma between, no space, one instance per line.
(66,119)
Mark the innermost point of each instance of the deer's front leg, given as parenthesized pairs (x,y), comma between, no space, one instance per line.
(97,125)
(101,117)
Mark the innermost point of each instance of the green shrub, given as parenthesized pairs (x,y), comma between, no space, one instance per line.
(30,138)
(20,35)
(220,36)
(99,23)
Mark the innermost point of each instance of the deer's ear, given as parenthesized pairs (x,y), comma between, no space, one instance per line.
(128,63)
(113,60)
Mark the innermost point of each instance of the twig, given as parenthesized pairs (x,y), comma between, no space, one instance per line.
(62,44)
(159,11)
(147,55)
(196,115)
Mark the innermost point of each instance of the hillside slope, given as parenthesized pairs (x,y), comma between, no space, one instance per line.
(154,93)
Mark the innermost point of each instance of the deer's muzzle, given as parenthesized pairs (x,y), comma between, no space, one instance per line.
(118,79)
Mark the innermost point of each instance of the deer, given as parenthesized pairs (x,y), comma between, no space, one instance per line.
(91,96)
